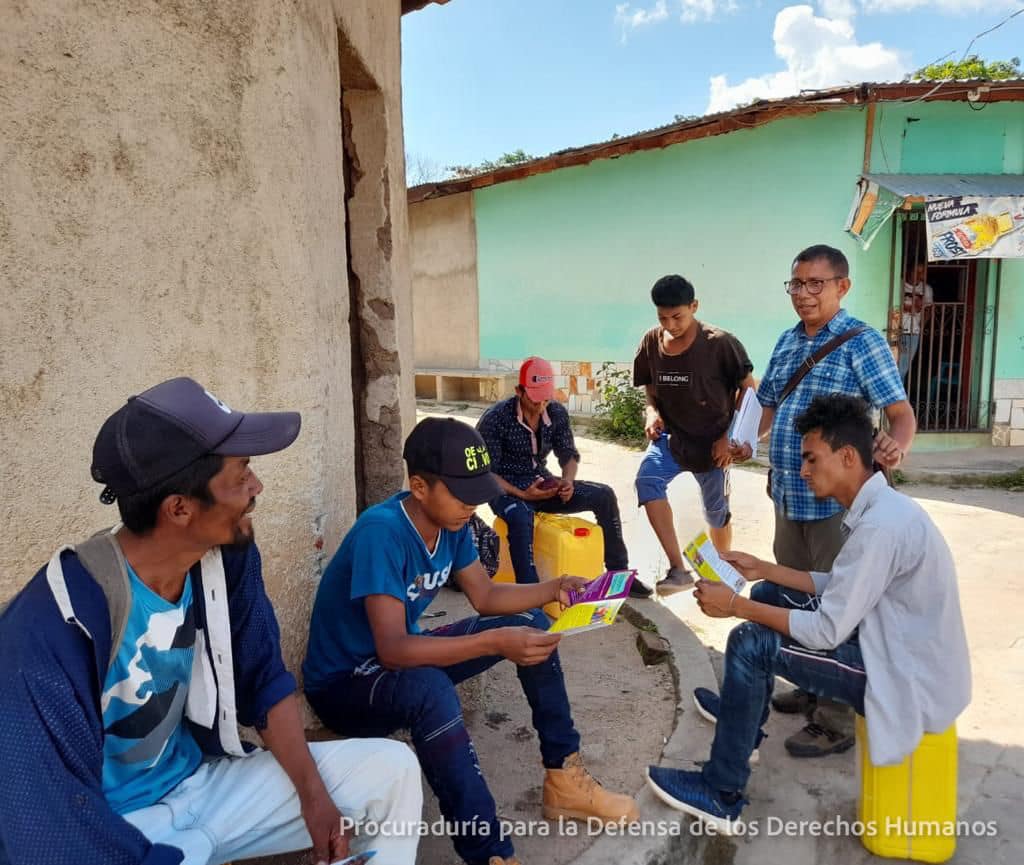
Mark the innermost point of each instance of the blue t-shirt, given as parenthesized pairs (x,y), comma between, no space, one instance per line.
(382,554)
(147,750)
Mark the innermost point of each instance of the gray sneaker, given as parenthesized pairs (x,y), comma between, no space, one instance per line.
(676,580)
(795,702)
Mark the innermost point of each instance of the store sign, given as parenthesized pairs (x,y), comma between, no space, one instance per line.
(965,226)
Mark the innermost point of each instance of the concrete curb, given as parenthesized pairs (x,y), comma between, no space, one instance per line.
(691,668)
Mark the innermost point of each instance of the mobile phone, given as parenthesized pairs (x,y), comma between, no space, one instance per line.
(549,484)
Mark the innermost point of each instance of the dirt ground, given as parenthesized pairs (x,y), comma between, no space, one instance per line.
(623,710)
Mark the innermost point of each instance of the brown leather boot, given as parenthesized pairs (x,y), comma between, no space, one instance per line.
(497,860)
(571,792)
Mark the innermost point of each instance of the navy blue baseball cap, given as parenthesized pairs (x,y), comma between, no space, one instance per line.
(168,427)
(455,453)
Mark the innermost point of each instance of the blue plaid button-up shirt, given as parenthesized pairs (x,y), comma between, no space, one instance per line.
(863,366)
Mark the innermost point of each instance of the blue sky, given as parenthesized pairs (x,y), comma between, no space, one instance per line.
(484,77)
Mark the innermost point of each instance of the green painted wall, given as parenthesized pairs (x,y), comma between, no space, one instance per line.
(566,260)
(1010,334)
(948,137)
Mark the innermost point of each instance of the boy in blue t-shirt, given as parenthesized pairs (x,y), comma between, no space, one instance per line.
(370,670)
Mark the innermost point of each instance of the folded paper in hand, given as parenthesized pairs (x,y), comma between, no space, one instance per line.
(746,421)
(701,553)
(596,604)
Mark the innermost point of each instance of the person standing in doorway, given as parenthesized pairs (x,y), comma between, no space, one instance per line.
(694,374)
(917,298)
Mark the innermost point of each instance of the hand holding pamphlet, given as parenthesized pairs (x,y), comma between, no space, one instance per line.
(747,421)
(701,553)
(596,605)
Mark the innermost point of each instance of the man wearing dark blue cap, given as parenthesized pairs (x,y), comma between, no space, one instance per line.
(370,670)
(127,663)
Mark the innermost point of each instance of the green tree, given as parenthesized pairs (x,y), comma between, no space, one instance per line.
(516,157)
(972,66)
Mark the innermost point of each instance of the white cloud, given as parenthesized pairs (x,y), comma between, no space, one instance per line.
(818,53)
(842,10)
(689,11)
(630,18)
(704,10)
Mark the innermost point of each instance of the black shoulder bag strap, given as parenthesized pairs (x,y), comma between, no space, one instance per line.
(816,358)
(809,364)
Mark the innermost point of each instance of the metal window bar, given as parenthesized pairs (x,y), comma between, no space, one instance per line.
(935,335)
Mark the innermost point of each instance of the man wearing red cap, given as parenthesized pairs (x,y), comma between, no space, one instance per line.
(520,433)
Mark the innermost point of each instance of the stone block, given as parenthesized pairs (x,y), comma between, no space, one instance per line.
(1000,435)
(653,648)
(1008,388)
(1017,419)
(1016,438)
(1003,407)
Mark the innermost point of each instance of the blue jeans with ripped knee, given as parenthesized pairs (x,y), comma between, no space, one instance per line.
(373,701)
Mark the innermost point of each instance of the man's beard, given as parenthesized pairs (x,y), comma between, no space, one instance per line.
(240,540)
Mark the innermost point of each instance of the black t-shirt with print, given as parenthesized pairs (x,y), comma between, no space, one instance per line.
(695,392)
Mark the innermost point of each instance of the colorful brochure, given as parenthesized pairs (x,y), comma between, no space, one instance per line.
(701,553)
(596,604)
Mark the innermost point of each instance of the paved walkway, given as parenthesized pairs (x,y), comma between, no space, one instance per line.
(985,530)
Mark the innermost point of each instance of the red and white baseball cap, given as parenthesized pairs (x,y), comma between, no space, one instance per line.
(538,378)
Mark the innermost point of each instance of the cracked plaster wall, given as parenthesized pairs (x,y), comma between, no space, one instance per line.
(173,205)
(445,301)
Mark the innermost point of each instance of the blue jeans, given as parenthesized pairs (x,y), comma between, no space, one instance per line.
(373,701)
(754,656)
(587,496)
(909,343)
(659,468)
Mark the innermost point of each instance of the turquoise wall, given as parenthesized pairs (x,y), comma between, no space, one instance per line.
(1010,334)
(948,137)
(566,259)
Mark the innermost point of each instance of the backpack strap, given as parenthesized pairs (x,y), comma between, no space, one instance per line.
(812,361)
(102,557)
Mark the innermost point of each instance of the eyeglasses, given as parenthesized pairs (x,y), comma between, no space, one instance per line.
(813,286)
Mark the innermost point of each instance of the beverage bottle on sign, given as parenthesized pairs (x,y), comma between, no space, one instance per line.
(972,236)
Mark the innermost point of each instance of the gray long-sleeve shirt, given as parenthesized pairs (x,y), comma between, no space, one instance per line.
(895,579)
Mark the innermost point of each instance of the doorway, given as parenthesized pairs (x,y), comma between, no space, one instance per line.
(938,310)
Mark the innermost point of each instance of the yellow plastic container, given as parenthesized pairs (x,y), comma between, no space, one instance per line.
(909,810)
(561,545)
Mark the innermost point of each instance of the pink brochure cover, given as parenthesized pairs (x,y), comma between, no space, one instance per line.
(610,586)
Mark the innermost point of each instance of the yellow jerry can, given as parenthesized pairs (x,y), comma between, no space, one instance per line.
(909,810)
(562,544)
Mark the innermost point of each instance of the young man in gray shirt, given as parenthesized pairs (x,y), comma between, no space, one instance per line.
(889,614)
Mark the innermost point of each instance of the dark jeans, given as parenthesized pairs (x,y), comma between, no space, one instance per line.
(754,656)
(587,496)
(376,702)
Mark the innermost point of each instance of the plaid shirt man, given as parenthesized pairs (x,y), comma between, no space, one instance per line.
(863,366)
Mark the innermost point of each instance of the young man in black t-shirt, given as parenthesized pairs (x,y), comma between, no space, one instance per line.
(694,375)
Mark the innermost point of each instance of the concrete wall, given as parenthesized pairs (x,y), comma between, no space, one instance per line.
(1008,391)
(174,203)
(446,324)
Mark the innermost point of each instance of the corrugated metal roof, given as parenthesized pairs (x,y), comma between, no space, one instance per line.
(941,185)
(745,117)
